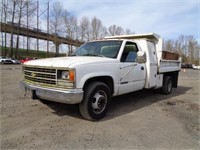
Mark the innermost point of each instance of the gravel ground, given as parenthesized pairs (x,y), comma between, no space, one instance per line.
(140,120)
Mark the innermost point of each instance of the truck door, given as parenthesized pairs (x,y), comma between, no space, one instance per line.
(131,73)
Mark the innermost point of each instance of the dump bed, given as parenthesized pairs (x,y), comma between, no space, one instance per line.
(169,62)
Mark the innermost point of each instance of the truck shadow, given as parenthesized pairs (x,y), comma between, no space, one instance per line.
(128,103)
(121,105)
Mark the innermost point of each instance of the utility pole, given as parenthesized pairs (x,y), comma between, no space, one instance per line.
(4,9)
(37,28)
(2,21)
(27,46)
(48,28)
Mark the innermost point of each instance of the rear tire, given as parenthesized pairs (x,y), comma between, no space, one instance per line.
(94,105)
(167,85)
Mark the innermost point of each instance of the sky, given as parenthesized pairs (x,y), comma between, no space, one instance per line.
(168,18)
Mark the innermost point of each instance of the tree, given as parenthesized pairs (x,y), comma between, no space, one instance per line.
(56,21)
(169,46)
(4,14)
(104,32)
(12,3)
(186,46)
(14,12)
(85,29)
(71,28)
(56,15)
(96,28)
(115,30)
(21,13)
(128,31)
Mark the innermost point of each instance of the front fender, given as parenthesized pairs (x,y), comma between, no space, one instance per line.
(88,76)
(83,75)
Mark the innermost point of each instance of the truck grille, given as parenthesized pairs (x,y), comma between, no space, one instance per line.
(40,75)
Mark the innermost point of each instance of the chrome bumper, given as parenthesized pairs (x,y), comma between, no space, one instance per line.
(70,96)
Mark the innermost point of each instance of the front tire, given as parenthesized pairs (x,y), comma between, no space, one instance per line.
(94,105)
(167,85)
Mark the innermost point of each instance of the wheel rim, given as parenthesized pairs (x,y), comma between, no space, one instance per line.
(99,102)
(169,88)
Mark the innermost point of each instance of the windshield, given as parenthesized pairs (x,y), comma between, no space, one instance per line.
(108,49)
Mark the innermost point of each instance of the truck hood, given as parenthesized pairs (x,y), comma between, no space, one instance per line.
(68,62)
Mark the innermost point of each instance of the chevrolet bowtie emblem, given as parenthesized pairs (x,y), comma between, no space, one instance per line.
(33,74)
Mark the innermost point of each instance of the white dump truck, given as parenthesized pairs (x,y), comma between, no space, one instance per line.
(101,69)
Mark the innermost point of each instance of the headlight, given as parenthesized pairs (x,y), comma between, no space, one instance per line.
(66,78)
(66,75)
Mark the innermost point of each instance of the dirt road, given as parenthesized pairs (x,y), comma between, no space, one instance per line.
(140,120)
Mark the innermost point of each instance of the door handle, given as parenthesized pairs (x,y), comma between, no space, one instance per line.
(142,68)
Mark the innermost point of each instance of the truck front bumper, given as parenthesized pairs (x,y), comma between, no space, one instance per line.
(68,96)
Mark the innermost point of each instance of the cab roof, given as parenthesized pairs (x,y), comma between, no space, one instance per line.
(151,36)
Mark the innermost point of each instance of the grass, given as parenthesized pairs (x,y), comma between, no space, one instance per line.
(22,53)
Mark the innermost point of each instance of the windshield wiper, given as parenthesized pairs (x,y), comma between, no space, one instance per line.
(73,55)
(93,55)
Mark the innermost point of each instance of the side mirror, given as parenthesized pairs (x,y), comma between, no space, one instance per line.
(141,57)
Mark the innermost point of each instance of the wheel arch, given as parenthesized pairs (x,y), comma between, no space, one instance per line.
(104,79)
(174,76)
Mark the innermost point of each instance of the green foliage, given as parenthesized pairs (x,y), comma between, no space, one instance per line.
(23,53)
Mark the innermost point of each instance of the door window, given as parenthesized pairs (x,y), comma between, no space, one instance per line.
(130,52)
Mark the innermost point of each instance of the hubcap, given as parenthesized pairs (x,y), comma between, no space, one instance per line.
(99,102)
